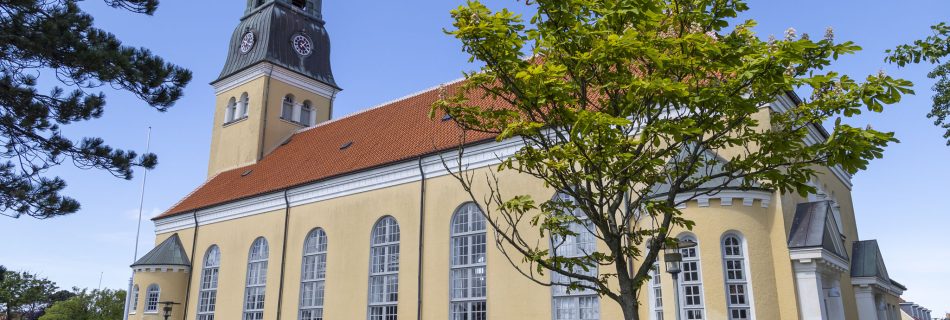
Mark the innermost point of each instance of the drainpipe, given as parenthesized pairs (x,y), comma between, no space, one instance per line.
(422,225)
(194,244)
(283,255)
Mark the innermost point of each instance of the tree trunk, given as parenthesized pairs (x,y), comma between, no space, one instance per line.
(630,307)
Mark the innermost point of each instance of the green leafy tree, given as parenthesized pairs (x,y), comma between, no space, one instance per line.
(24,293)
(88,305)
(932,50)
(634,107)
(57,40)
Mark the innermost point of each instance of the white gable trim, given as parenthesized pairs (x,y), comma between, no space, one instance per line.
(782,104)
(276,72)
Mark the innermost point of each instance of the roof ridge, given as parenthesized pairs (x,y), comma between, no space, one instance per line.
(384,104)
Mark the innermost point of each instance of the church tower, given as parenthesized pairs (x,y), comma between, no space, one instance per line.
(276,81)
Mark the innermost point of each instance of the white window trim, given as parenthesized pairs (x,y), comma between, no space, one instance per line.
(303,281)
(385,274)
(133,308)
(247,286)
(656,284)
(230,110)
(158,298)
(471,266)
(699,272)
(575,295)
(744,246)
(205,268)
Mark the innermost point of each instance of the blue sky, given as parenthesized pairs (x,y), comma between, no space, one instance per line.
(386,49)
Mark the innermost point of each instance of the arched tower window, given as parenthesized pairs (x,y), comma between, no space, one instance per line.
(135,299)
(256,280)
(581,304)
(384,270)
(692,284)
(738,297)
(467,272)
(314,275)
(306,110)
(152,295)
(243,106)
(208,295)
(287,108)
(230,112)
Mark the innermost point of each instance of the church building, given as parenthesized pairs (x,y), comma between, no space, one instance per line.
(307,217)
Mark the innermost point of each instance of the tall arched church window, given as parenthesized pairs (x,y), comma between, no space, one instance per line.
(152,294)
(738,297)
(384,270)
(580,304)
(287,108)
(135,299)
(208,296)
(243,106)
(230,112)
(314,275)
(306,110)
(692,284)
(256,282)
(468,277)
(656,293)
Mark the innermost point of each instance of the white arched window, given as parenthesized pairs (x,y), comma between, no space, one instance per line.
(287,108)
(580,304)
(305,113)
(314,275)
(243,106)
(656,293)
(256,280)
(208,296)
(738,297)
(384,270)
(468,277)
(151,298)
(692,285)
(135,299)
(230,112)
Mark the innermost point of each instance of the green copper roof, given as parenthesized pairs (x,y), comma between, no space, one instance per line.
(168,253)
(867,261)
(273,25)
(814,226)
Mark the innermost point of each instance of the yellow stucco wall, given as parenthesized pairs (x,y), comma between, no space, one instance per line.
(348,222)
(173,286)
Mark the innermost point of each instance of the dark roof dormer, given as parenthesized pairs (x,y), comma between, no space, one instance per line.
(286,33)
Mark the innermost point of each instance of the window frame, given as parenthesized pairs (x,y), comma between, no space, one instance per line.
(207,266)
(133,308)
(287,106)
(307,107)
(243,106)
(230,111)
(656,293)
(261,277)
(576,297)
(698,283)
(318,280)
(389,279)
(148,298)
(470,269)
(745,282)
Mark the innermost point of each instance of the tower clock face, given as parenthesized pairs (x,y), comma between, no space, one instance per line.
(247,42)
(302,45)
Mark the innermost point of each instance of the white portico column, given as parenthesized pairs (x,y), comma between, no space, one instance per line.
(864,296)
(809,284)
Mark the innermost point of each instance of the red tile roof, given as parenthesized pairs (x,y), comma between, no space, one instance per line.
(394,132)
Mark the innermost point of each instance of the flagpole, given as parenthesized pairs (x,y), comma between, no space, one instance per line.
(138,230)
